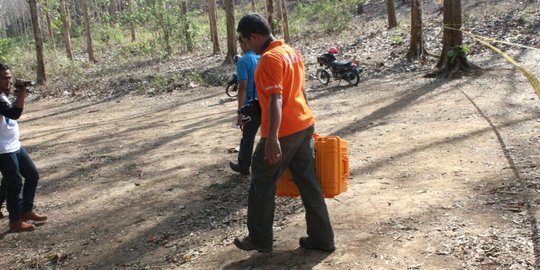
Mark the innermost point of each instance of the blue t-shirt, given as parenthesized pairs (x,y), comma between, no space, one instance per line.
(245,70)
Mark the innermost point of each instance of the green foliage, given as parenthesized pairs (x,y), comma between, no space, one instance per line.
(331,15)
(11,49)
(457,51)
(6,45)
(143,46)
(108,35)
(396,40)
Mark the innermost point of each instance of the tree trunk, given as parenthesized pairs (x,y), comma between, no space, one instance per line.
(3,29)
(253,6)
(392,21)
(213,25)
(187,32)
(41,76)
(360,8)
(131,23)
(279,12)
(159,7)
(452,58)
(451,38)
(269,14)
(285,22)
(112,10)
(86,20)
(66,27)
(47,12)
(416,47)
(231,32)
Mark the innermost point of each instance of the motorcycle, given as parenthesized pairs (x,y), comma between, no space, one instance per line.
(232,86)
(340,70)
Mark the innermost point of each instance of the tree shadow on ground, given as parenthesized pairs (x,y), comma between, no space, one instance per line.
(286,259)
(397,105)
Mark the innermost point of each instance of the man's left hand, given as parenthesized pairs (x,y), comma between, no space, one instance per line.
(239,121)
(272,151)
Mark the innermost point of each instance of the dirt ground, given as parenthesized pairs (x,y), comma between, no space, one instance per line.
(444,174)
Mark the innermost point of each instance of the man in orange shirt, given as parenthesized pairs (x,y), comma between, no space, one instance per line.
(286,141)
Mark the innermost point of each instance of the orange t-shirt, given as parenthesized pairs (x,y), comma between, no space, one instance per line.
(281,71)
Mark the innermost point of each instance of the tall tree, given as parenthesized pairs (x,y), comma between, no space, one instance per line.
(66,26)
(187,32)
(269,13)
(392,21)
(416,46)
(112,10)
(253,6)
(285,21)
(231,32)
(47,13)
(131,21)
(453,56)
(89,47)
(213,25)
(279,12)
(41,76)
(160,8)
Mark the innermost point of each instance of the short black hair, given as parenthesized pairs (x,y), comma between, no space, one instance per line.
(253,23)
(4,67)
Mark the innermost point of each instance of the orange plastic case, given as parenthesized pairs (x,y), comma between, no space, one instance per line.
(331,165)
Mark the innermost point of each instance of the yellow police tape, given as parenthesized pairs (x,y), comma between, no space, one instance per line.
(532,79)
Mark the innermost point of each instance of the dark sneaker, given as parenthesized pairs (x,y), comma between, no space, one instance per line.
(246,244)
(306,243)
(235,167)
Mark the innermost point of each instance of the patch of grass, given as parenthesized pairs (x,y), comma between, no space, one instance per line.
(396,39)
(326,15)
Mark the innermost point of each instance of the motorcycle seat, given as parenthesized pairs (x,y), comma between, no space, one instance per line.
(342,63)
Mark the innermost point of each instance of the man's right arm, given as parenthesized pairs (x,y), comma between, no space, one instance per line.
(13,112)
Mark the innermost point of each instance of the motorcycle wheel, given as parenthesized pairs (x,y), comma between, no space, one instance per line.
(353,78)
(232,90)
(323,76)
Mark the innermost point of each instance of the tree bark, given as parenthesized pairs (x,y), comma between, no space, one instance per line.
(392,21)
(112,10)
(131,23)
(213,26)
(187,32)
(159,7)
(416,46)
(269,14)
(89,46)
(3,29)
(451,38)
(452,58)
(47,12)
(285,21)
(66,26)
(41,76)
(231,32)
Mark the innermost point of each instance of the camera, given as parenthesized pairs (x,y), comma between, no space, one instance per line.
(24,83)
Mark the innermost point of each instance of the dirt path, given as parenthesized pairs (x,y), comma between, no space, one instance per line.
(444,175)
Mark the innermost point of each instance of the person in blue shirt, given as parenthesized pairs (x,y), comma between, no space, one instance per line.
(249,115)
